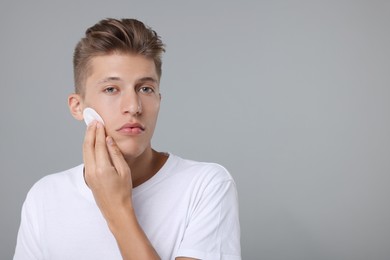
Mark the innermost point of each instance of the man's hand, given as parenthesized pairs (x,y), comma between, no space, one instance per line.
(109,177)
(106,171)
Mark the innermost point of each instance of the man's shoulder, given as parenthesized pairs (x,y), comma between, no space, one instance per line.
(206,171)
(55,181)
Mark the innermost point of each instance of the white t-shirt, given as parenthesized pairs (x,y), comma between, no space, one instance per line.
(186,209)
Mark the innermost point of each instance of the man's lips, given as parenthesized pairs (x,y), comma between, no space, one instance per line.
(131,128)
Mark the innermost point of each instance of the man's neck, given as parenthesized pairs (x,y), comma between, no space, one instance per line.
(146,166)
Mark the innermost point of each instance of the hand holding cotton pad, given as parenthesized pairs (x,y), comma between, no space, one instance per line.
(90,114)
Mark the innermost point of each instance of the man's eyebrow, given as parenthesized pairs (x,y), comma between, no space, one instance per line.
(108,79)
(148,79)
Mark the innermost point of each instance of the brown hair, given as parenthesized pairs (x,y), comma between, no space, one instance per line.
(111,35)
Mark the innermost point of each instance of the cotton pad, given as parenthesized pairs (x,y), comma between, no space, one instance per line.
(90,115)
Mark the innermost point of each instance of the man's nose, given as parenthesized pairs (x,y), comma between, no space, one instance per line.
(131,103)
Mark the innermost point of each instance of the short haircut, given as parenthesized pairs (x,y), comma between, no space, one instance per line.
(109,36)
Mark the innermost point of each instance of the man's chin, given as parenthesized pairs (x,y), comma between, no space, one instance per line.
(131,153)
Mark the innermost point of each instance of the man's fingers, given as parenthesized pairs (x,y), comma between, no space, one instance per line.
(101,153)
(117,157)
(89,144)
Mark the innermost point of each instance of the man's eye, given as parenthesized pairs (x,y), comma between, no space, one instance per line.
(110,90)
(146,90)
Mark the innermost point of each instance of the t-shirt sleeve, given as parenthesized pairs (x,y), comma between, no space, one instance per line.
(27,245)
(213,230)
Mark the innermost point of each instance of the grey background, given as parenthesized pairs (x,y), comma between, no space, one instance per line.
(292,97)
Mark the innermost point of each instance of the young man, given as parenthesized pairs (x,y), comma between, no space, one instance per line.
(127,201)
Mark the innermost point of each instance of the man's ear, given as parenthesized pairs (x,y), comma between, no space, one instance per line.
(76,107)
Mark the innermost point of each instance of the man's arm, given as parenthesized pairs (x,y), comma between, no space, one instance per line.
(109,177)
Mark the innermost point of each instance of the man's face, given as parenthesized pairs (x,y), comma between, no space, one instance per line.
(124,90)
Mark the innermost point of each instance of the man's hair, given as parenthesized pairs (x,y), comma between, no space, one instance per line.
(109,36)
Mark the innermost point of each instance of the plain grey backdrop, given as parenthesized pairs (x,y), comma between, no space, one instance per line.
(293,97)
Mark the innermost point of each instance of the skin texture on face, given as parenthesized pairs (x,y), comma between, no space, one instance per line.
(124,90)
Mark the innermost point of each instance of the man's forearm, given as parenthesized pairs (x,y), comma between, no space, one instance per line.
(132,240)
